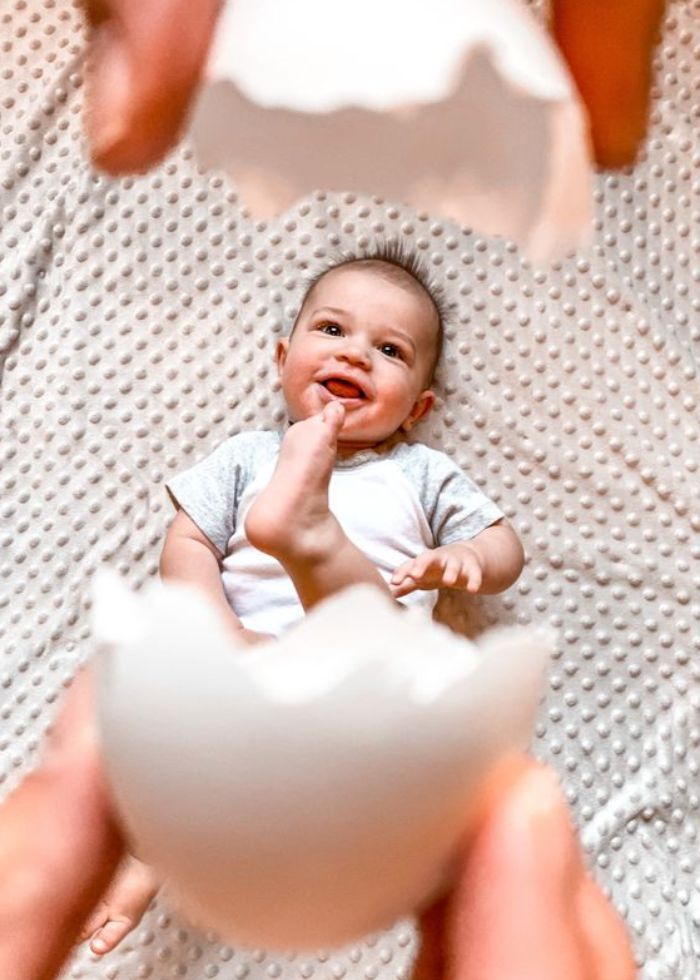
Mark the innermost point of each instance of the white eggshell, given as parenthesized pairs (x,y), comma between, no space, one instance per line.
(305,792)
(460,107)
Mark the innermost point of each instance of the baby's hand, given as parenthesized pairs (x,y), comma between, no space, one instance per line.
(453,566)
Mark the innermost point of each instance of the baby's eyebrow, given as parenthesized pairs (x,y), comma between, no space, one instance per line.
(395,332)
(332,310)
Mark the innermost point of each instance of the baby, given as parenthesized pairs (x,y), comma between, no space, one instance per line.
(270,524)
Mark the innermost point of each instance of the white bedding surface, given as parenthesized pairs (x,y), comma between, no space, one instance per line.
(137,329)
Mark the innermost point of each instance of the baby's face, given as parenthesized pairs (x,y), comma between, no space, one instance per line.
(367,342)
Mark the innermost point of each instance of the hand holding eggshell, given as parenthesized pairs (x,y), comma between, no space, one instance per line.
(306,791)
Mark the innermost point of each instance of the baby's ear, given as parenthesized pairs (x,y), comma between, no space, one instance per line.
(423,405)
(281,352)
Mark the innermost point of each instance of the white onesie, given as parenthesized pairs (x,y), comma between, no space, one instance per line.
(393,503)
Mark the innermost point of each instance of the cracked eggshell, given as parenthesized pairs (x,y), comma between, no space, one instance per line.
(459,107)
(305,792)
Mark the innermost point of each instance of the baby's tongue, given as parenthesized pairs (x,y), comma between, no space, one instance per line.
(343,389)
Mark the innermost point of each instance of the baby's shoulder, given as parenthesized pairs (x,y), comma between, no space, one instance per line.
(254,439)
(430,471)
(418,457)
(250,448)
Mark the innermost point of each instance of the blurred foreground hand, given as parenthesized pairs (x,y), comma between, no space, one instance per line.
(147,57)
(609,46)
(145,62)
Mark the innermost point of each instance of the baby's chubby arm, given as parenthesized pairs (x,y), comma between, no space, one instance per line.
(486,564)
(189,556)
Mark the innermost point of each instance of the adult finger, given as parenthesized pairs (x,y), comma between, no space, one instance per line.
(432,958)
(609,46)
(59,846)
(439,956)
(145,60)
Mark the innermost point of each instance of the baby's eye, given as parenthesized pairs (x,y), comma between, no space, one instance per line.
(391,350)
(332,329)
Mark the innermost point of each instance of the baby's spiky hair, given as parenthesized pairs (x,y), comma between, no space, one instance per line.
(394,261)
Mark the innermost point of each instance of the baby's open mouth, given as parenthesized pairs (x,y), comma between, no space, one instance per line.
(343,389)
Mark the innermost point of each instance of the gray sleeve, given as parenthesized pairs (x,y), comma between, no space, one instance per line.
(456,509)
(210,491)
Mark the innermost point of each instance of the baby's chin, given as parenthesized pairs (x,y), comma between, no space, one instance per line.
(353,437)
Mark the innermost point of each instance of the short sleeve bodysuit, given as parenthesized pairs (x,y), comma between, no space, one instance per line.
(393,503)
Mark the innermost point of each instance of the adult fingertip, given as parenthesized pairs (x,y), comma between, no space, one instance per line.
(110,83)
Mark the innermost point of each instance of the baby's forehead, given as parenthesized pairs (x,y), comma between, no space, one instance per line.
(352,283)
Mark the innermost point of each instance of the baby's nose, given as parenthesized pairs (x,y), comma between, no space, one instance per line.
(356,352)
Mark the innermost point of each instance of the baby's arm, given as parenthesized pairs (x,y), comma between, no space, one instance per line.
(486,564)
(189,556)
